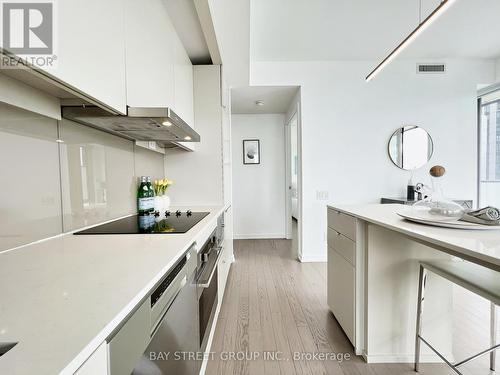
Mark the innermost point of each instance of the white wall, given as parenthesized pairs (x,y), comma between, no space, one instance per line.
(197,175)
(259,190)
(346,124)
(497,70)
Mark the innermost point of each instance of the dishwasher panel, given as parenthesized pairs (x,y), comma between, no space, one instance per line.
(176,336)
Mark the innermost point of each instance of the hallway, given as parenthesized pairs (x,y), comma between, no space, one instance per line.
(276,304)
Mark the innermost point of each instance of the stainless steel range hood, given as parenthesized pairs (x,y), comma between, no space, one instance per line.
(141,124)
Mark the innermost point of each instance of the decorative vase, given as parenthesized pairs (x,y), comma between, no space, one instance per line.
(166,202)
(158,204)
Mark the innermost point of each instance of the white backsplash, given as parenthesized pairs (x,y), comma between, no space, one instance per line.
(50,187)
(30,199)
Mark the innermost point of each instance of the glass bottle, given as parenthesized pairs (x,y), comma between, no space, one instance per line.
(151,195)
(143,201)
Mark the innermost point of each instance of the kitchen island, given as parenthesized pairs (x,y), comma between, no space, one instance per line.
(373,257)
(62,298)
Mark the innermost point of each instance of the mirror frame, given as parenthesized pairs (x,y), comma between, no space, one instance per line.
(389,147)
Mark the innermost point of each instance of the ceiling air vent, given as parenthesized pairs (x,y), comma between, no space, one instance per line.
(431,68)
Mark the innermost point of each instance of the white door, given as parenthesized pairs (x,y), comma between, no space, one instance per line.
(293,221)
(294,166)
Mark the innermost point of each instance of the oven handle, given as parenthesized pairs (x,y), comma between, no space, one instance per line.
(205,283)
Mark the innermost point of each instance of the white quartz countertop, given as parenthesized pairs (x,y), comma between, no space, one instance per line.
(61,298)
(480,246)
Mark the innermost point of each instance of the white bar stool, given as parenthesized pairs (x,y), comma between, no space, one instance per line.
(479,280)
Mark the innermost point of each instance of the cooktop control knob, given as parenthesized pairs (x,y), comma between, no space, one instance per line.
(178,213)
(189,213)
(167,213)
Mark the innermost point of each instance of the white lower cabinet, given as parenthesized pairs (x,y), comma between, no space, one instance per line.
(128,344)
(96,364)
(227,255)
(341,292)
(223,272)
(341,272)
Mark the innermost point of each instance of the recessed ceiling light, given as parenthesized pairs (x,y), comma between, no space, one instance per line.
(260,103)
(187,138)
(166,123)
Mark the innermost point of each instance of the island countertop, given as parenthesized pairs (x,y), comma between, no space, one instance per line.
(61,298)
(478,246)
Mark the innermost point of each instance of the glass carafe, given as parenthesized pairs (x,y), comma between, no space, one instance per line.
(435,205)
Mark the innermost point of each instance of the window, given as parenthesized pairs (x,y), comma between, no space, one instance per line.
(489,150)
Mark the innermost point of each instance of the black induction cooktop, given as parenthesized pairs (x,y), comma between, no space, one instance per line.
(170,222)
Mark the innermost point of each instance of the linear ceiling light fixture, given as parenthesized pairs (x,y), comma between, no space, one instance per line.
(443,7)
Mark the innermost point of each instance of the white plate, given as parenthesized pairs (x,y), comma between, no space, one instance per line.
(455,224)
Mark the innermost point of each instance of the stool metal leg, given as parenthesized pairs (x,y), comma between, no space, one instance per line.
(420,308)
(493,335)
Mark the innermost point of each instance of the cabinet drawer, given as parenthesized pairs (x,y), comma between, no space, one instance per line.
(341,292)
(342,223)
(343,245)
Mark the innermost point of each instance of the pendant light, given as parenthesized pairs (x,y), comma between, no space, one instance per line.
(443,7)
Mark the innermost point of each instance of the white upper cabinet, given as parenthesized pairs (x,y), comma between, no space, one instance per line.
(159,71)
(90,45)
(150,52)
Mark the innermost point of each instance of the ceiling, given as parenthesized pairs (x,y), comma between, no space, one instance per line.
(298,30)
(231,19)
(469,29)
(276,99)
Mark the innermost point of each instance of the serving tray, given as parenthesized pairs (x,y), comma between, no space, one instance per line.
(452,223)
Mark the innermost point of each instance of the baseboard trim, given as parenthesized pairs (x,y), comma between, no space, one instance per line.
(402,358)
(312,258)
(259,236)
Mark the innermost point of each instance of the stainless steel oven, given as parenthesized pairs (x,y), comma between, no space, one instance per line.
(207,286)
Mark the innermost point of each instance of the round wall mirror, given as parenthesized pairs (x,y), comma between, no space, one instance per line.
(410,147)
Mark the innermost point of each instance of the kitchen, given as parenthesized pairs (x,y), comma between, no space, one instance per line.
(155,203)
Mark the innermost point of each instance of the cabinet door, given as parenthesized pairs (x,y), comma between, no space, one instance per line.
(90,49)
(130,342)
(227,156)
(228,233)
(341,292)
(97,363)
(223,272)
(149,40)
(227,256)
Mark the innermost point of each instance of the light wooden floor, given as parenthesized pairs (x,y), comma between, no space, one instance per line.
(274,303)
